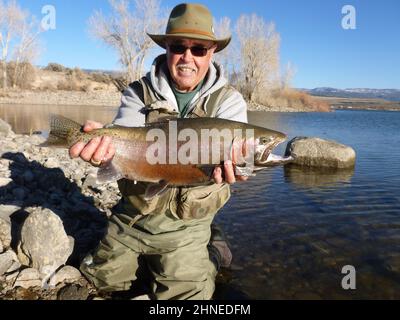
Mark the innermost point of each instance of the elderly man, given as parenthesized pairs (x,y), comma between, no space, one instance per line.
(164,234)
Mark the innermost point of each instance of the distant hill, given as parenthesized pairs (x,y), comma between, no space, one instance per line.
(365,93)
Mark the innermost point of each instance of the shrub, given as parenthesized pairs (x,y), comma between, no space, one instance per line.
(56,67)
(21,75)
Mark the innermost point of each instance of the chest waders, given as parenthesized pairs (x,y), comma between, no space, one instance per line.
(165,239)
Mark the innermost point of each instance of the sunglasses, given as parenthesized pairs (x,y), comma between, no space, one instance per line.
(197,51)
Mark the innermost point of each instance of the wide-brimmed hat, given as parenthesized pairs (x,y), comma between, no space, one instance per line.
(193,21)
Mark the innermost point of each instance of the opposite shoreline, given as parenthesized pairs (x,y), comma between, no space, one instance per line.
(104,98)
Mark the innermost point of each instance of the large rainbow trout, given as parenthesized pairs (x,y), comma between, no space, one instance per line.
(175,152)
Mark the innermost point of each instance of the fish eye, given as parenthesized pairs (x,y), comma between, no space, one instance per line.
(264,140)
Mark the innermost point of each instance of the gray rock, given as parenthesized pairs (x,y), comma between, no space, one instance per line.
(316,152)
(142,297)
(28,278)
(14,267)
(4,181)
(7,210)
(12,276)
(73,292)
(67,274)
(5,235)
(44,244)
(51,163)
(6,261)
(5,128)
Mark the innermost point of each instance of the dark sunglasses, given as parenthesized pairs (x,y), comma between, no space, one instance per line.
(197,51)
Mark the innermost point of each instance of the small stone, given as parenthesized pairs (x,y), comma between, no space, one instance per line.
(142,297)
(6,261)
(67,274)
(73,292)
(5,235)
(14,267)
(12,276)
(28,278)
(51,163)
(7,210)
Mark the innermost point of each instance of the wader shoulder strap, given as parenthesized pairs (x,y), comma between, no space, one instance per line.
(209,107)
(148,95)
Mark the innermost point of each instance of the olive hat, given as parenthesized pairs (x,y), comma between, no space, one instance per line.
(193,21)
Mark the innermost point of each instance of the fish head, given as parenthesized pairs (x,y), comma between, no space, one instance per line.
(265,141)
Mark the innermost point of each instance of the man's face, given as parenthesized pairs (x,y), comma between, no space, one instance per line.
(188,69)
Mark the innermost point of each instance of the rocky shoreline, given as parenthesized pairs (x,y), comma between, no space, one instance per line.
(52,213)
(109,98)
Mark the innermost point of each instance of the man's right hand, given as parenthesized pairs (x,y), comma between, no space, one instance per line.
(97,151)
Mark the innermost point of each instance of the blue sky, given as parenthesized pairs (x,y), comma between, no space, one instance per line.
(312,38)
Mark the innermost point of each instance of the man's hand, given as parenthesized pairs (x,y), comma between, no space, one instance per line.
(229,174)
(98,150)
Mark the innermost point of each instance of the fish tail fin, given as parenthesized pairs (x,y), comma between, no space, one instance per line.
(61,129)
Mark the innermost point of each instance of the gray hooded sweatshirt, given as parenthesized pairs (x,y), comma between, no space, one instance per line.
(131,114)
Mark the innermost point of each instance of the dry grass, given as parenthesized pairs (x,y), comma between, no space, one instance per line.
(293,99)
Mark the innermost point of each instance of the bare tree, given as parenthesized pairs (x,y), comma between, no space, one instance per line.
(259,47)
(288,75)
(18,35)
(229,58)
(11,17)
(125,31)
(28,48)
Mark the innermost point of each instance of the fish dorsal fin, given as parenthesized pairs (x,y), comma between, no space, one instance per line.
(155,189)
(109,173)
(113,126)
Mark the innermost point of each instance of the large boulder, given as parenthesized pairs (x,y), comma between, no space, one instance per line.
(316,152)
(44,245)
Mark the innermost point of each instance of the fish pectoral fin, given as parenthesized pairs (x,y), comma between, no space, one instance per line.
(109,173)
(208,169)
(155,189)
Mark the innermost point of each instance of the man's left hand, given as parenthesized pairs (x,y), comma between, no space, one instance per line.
(228,174)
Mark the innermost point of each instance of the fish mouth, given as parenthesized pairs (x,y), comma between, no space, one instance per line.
(264,155)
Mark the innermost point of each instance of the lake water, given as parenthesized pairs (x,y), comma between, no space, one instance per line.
(293,230)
